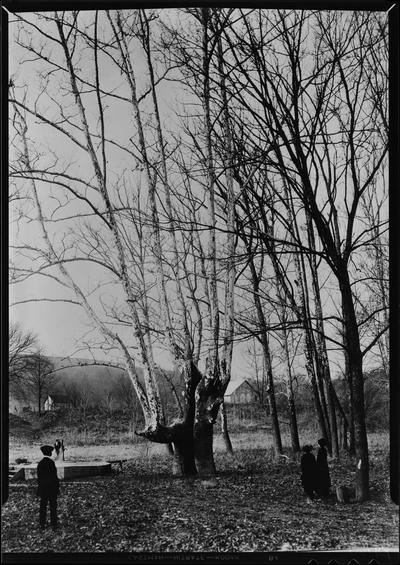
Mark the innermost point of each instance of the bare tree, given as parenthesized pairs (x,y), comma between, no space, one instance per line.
(20,345)
(85,400)
(151,301)
(37,378)
(321,126)
(282,137)
(108,402)
(262,336)
(289,378)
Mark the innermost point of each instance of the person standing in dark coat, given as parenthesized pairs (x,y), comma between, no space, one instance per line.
(323,477)
(308,472)
(48,487)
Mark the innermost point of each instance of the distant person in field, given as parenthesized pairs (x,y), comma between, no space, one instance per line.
(308,472)
(323,477)
(48,487)
(59,447)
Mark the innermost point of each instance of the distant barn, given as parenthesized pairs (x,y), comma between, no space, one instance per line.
(240,392)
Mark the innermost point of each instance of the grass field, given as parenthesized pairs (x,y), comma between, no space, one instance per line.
(254,504)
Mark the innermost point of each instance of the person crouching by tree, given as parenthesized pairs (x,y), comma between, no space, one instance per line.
(323,477)
(48,487)
(308,472)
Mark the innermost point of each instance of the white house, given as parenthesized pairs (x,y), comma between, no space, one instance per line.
(48,404)
(55,400)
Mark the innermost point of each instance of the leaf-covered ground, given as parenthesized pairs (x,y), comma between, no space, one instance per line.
(254,504)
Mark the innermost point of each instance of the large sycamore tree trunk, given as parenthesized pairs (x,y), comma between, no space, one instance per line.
(192,437)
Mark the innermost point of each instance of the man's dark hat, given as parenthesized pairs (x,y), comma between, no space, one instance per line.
(46,449)
(322,442)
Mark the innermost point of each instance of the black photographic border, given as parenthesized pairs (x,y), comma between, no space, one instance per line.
(300,557)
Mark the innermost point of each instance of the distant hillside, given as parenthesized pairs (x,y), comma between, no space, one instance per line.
(71,370)
(79,374)
(74,375)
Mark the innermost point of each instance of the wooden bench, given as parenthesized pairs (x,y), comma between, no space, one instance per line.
(117,462)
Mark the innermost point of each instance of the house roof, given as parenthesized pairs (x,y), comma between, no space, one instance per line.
(60,398)
(233,385)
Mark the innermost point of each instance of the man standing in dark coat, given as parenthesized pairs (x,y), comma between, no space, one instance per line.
(308,472)
(48,487)
(324,479)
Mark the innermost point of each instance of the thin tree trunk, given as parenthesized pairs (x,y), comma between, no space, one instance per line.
(294,432)
(263,338)
(276,434)
(312,360)
(317,402)
(321,350)
(224,429)
(343,421)
(348,376)
(344,443)
(273,411)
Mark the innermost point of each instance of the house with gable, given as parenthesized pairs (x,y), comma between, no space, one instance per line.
(240,392)
(242,401)
(54,401)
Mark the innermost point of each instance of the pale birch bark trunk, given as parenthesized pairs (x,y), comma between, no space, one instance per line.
(207,390)
(230,260)
(180,433)
(203,393)
(130,366)
(229,319)
(171,226)
(128,69)
(153,401)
